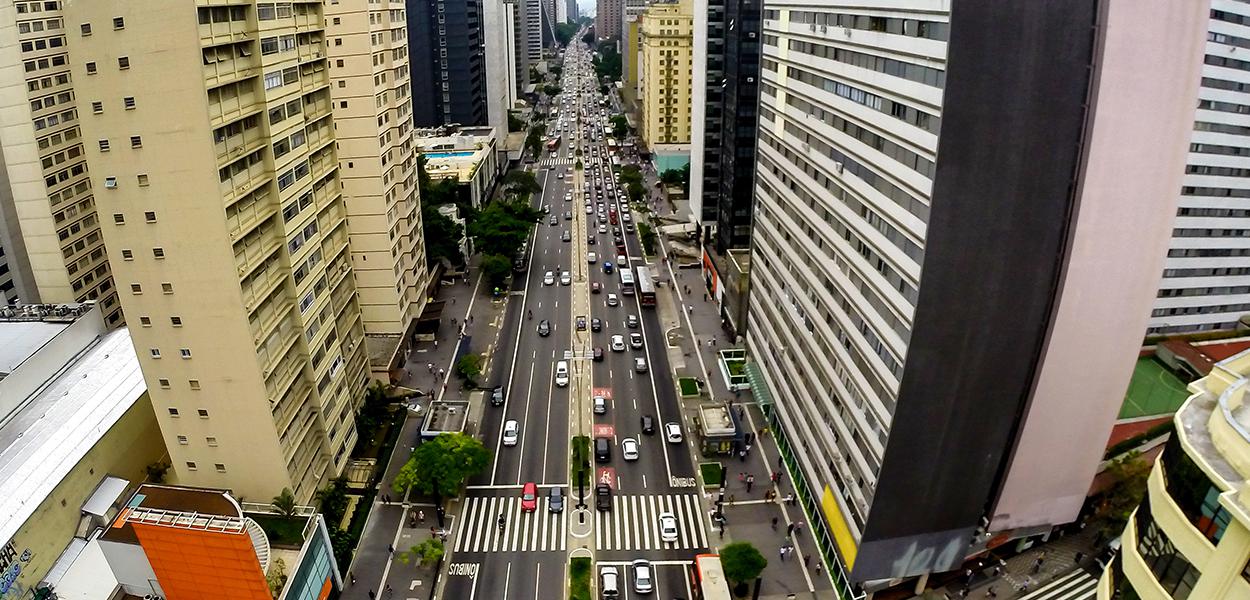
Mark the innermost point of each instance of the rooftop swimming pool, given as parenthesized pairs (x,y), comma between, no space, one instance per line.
(448,154)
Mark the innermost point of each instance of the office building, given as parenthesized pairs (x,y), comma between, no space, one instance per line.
(378,171)
(215,161)
(529,40)
(470,156)
(921,425)
(1190,537)
(608,19)
(631,44)
(665,74)
(572,13)
(448,61)
(499,33)
(724,118)
(48,208)
(1206,279)
(182,542)
(77,432)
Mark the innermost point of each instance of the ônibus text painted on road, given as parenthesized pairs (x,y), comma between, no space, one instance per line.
(604,430)
(465,569)
(605,392)
(606,475)
(681,482)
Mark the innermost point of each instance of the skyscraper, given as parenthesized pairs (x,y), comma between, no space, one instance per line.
(664,73)
(214,156)
(956,243)
(500,47)
(448,62)
(48,207)
(1206,279)
(608,19)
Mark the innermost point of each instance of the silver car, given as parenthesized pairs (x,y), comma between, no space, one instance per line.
(644,577)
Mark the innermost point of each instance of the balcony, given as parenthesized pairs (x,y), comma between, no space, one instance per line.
(311,52)
(244,216)
(239,144)
(277,345)
(254,251)
(288,408)
(273,310)
(256,289)
(320,135)
(244,181)
(227,71)
(226,107)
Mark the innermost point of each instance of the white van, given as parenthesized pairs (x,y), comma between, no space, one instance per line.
(562,373)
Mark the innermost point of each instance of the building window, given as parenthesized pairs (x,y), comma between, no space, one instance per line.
(149,216)
(119,218)
(191,466)
(194,383)
(175,321)
(97,108)
(104,145)
(123,62)
(119,23)
(220,468)
(167,287)
(143,179)
(203,413)
(185,352)
(182,440)
(128,255)
(136,141)
(1170,568)
(128,102)
(156,352)
(91,68)
(211,441)
(110,183)
(163,382)
(173,412)
(145,321)
(158,253)
(86,29)
(136,288)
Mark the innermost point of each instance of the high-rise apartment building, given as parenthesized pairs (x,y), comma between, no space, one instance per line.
(448,61)
(499,33)
(1206,279)
(607,19)
(48,211)
(665,74)
(631,13)
(726,94)
(377,164)
(214,154)
(529,41)
(955,247)
(571,11)
(1190,537)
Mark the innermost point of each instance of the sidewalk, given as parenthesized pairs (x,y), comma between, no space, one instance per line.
(1020,574)
(694,333)
(430,369)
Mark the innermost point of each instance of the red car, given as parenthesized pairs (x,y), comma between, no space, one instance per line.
(529,497)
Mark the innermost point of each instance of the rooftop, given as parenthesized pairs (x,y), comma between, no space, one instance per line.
(173,501)
(73,405)
(26,328)
(1214,423)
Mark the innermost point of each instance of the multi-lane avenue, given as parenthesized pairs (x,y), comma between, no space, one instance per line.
(566,310)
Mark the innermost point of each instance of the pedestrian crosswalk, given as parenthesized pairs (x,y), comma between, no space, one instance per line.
(478,527)
(1077,585)
(559,161)
(633,523)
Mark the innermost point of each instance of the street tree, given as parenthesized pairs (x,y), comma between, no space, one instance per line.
(439,467)
(442,236)
(742,562)
(521,182)
(620,126)
(426,553)
(496,268)
(469,367)
(503,226)
(1113,507)
(332,501)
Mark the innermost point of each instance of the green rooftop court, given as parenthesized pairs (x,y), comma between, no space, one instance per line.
(1153,390)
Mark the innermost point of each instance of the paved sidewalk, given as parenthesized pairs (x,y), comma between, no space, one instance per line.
(429,369)
(1014,577)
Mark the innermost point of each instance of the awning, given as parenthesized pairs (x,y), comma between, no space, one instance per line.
(759,387)
(679,228)
(104,496)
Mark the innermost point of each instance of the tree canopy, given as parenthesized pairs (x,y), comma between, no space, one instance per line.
(742,562)
(620,126)
(565,32)
(607,63)
(440,466)
(502,226)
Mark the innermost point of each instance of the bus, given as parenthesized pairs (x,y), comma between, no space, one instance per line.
(627,281)
(708,579)
(646,287)
(553,143)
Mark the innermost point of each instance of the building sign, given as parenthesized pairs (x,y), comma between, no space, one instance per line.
(11,566)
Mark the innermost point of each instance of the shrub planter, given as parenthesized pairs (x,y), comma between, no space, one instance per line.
(579,578)
(713,474)
(688,387)
(733,368)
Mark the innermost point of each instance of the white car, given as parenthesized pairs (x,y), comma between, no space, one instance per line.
(613,300)
(549,278)
(668,527)
(629,448)
(644,578)
(602,228)
(566,278)
(672,433)
(511,431)
(592,258)
(618,343)
(635,340)
(562,373)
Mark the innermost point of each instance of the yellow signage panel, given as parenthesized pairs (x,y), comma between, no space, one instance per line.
(837,525)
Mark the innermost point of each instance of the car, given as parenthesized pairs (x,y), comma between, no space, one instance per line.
(648,424)
(529,497)
(597,356)
(603,450)
(609,582)
(497,395)
(602,228)
(546,209)
(607,267)
(553,220)
(672,432)
(562,373)
(621,259)
(591,257)
(560,175)
(555,500)
(596,324)
(566,278)
(554,155)
(613,300)
(635,340)
(568,214)
(544,328)
(596,287)
(629,228)
(603,497)
(611,218)
(668,527)
(600,405)
(592,240)
(631,321)
(589,210)
(511,432)
(581,323)
(566,237)
(618,240)
(629,449)
(627,217)
(640,365)
(644,577)
(618,343)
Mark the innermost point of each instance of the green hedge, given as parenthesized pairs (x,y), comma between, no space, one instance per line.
(713,473)
(688,385)
(579,466)
(579,578)
(1123,446)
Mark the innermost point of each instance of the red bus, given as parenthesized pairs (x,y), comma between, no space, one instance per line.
(646,286)
(708,579)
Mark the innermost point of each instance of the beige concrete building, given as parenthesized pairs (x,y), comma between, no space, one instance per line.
(468,155)
(372,99)
(49,225)
(664,77)
(214,157)
(76,433)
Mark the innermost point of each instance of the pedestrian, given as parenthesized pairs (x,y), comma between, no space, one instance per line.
(774,523)
(807,560)
(781,552)
(819,566)
(781,462)
(435,344)
(742,455)
(353,577)
(990,593)
(790,529)
(748,447)
(453,321)
(775,477)
(742,477)
(731,499)
(390,548)
(470,318)
(430,367)
(372,595)
(389,592)
(442,372)
(420,516)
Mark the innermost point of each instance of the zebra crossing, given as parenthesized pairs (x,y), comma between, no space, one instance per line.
(478,528)
(1077,585)
(560,161)
(634,521)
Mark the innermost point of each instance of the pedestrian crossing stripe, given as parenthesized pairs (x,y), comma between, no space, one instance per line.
(555,162)
(634,523)
(539,531)
(1077,585)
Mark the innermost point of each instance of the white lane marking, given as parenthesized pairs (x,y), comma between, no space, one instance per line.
(524,433)
(506,578)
